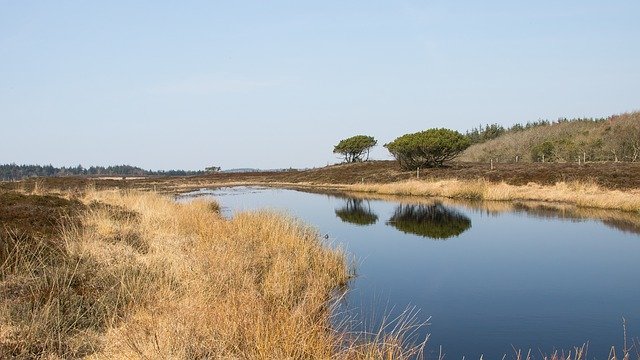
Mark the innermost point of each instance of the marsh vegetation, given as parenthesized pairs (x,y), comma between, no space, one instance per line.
(136,275)
(495,282)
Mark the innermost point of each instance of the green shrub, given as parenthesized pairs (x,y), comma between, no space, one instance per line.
(544,151)
(428,148)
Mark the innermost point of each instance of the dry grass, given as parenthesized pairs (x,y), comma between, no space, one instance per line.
(579,194)
(145,277)
(628,352)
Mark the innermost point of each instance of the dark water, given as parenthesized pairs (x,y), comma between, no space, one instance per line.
(489,281)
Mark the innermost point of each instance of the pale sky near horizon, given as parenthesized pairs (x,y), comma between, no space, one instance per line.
(270,84)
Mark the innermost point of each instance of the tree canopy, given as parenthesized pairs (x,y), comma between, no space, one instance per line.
(429,148)
(355,148)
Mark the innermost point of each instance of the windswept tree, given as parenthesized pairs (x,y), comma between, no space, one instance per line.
(355,148)
(429,148)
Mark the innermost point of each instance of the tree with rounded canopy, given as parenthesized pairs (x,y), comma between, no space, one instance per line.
(355,148)
(429,148)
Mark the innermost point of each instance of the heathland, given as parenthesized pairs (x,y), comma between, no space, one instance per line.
(114,268)
(110,268)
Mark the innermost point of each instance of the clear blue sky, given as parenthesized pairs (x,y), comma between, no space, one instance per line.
(187,84)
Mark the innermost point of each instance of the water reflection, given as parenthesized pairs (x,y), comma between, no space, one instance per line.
(434,221)
(624,221)
(355,212)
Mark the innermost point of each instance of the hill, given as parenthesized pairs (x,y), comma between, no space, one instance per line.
(616,138)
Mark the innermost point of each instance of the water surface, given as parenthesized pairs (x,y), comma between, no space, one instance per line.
(489,280)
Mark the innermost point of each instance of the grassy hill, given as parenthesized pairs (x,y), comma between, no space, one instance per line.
(616,138)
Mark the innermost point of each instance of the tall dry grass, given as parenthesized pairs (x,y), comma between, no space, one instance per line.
(145,277)
(579,194)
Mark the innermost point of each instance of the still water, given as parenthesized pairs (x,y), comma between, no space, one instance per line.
(487,279)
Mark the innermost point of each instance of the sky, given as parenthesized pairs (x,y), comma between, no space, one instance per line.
(276,84)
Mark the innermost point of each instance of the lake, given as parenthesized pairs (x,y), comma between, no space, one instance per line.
(488,277)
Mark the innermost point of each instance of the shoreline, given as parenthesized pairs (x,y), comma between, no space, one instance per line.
(628,221)
(581,195)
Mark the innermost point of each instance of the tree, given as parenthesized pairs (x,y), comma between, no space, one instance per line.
(623,140)
(482,134)
(353,149)
(429,148)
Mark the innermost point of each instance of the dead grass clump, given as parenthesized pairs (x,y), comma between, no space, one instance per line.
(255,286)
(56,301)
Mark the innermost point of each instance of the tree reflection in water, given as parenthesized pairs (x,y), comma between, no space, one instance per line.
(433,221)
(355,213)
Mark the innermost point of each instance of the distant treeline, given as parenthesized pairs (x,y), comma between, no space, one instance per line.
(616,138)
(17,172)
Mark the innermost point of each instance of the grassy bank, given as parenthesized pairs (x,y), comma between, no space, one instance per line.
(135,275)
(575,193)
